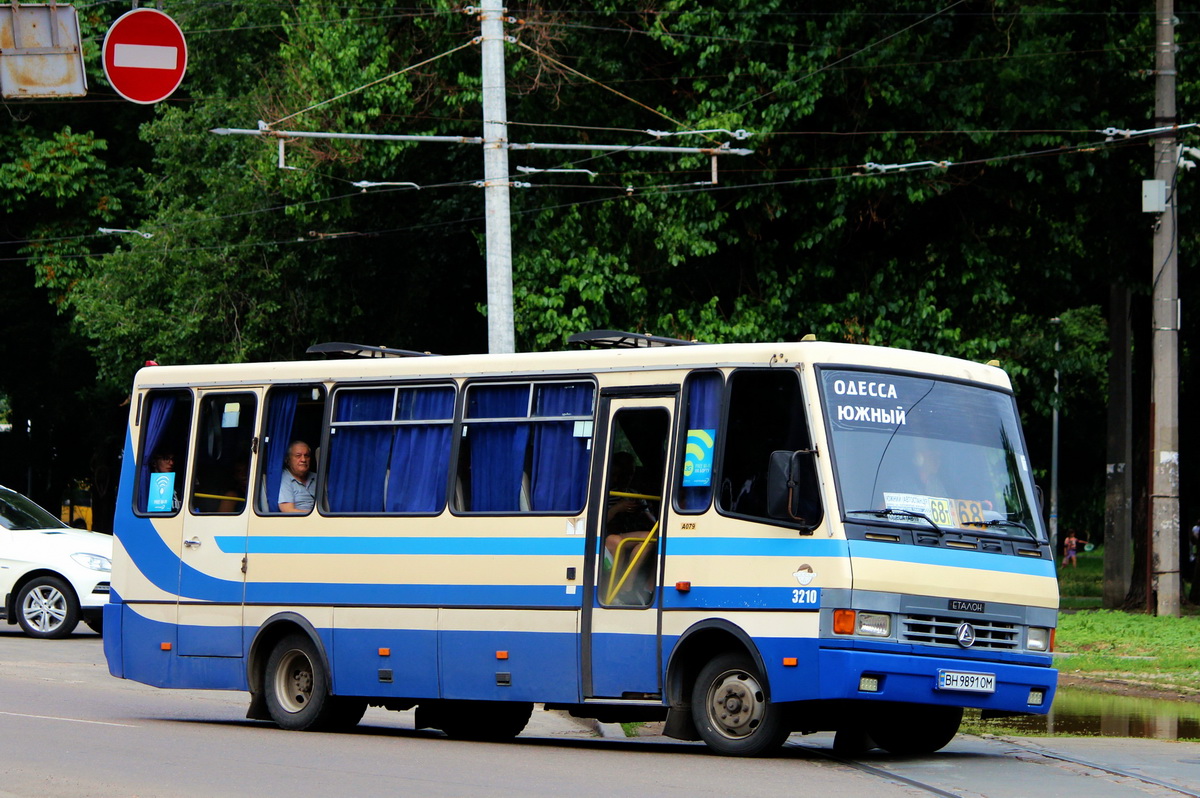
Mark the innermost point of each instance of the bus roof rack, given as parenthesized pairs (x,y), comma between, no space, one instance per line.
(361,350)
(619,339)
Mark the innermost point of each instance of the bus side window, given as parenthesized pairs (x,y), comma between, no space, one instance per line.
(294,412)
(766,414)
(166,422)
(389,449)
(222,455)
(526,447)
(702,401)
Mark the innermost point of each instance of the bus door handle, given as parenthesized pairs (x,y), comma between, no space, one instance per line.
(192,543)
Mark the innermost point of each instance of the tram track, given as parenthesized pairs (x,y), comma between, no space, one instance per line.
(1015,750)
(1102,768)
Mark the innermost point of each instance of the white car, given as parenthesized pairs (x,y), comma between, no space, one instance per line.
(51,575)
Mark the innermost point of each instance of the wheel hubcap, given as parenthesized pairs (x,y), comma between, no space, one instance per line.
(44,608)
(736,704)
(294,681)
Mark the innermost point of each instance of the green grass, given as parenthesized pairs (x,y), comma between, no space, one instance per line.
(1081,587)
(1144,650)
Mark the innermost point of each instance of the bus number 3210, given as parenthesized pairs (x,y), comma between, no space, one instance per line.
(807,597)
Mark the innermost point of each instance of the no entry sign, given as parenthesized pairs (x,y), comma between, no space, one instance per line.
(145,56)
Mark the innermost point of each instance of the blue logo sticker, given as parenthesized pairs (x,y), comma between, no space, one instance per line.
(162,493)
(697,461)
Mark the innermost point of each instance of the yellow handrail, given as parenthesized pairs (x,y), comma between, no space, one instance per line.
(625,495)
(215,496)
(613,590)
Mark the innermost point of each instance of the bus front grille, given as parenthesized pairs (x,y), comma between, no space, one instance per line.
(942,630)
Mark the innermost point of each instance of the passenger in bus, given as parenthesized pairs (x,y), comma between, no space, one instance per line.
(163,462)
(239,491)
(626,516)
(298,488)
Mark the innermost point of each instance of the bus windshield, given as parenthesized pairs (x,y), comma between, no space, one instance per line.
(925,451)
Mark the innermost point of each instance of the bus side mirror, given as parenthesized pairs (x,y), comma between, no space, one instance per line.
(793,492)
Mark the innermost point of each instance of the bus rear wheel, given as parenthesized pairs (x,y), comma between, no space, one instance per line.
(297,690)
(731,710)
(914,729)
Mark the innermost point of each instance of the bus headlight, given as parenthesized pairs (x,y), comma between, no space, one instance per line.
(1037,639)
(873,624)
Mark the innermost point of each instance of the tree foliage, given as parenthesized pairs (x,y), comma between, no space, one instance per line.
(1013,210)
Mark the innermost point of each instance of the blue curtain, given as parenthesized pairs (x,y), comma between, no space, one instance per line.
(498,450)
(358,456)
(281,414)
(560,460)
(158,416)
(703,412)
(421,452)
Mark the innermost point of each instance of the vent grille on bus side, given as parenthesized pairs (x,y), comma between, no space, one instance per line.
(941,630)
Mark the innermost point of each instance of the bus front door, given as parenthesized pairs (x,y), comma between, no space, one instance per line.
(621,651)
(213,547)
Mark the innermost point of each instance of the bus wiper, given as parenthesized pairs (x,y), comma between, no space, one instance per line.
(888,512)
(1006,522)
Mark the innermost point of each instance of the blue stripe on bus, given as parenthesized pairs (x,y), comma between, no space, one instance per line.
(984,561)
(755,547)
(773,598)
(350,544)
(310,593)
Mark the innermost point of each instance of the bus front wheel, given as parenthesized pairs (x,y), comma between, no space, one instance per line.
(914,729)
(297,690)
(731,710)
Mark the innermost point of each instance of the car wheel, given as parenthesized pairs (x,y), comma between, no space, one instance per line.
(47,608)
(297,690)
(732,713)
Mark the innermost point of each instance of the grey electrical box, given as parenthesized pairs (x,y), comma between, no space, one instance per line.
(40,54)
(1154,196)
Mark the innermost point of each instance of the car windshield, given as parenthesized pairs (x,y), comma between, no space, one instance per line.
(917,450)
(18,512)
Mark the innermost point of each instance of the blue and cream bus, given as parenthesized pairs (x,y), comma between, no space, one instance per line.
(743,540)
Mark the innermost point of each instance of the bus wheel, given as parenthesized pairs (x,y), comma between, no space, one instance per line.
(913,729)
(47,608)
(492,721)
(731,711)
(297,690)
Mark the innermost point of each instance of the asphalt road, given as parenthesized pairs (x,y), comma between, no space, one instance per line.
(69,729)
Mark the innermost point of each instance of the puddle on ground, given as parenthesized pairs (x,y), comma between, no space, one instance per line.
(1086,712)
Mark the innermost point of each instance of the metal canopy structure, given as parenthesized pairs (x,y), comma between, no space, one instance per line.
(619,339)
(340,348)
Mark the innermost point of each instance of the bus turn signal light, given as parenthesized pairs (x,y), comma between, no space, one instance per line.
(683,587)
(843,622)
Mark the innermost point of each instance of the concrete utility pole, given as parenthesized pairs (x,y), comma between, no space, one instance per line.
(1164,413)
(1118,482)
(497,181)
(498,228)
(1053,525)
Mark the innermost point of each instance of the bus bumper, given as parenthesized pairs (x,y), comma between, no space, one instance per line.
(880,676)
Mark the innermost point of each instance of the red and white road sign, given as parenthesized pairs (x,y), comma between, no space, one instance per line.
(145,56)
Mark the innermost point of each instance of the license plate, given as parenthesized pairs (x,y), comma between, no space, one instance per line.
(966,682)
